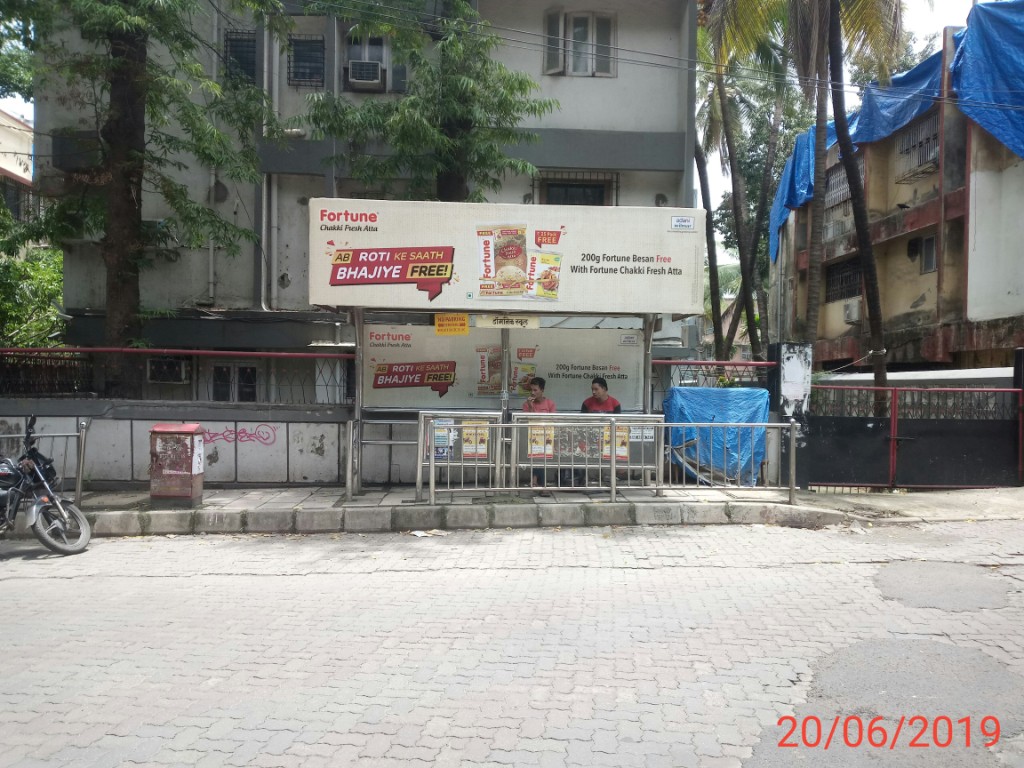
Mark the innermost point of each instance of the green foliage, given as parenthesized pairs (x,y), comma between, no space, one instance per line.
(461,110)
(865,66)
(136,77)
(16,41)
(29,290)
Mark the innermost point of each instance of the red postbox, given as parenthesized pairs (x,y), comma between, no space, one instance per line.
(176,463)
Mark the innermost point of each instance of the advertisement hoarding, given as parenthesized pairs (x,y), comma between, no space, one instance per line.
(409,366)
(484,257)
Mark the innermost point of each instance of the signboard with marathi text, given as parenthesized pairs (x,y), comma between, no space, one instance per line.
(483,257)
(408,366)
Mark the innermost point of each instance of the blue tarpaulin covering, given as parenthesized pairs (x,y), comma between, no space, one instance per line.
(730,454)
(987,76)
(988,71)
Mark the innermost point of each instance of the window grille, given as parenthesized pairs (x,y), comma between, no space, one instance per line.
(837,186)
(576,187)
(306,61)
(17,198)
(240,53)
(842,281)
(917,150)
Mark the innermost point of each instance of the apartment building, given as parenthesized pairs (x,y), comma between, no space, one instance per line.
(15,164)
(623,135)
(940,152)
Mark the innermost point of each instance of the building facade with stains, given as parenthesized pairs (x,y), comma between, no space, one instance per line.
(940,155)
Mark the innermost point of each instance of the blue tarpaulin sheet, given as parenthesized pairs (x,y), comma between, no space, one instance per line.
(987,76)
(732,454)
(988,71)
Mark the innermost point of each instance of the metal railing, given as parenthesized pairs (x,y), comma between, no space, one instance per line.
(301,378)
(50,444)
(476,452)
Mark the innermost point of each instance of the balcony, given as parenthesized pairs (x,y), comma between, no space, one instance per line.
(917,150)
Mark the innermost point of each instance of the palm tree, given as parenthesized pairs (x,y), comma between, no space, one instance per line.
(709,116)
(725,111)
(876,23)
(815,38)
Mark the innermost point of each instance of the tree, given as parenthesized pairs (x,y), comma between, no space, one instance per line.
(815,37)
(30,288)
(15,58)
(771,112)
(879,22)
(709,118)
(764,56)
(865,66)
(134,74)
(446,138)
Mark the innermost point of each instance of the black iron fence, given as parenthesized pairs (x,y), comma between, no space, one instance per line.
(302,378)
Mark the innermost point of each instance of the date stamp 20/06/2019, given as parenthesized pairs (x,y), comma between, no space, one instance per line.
(915,731)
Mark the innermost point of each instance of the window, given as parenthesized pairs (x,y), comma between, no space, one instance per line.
(235,383)
(306,61)
(558,193)
(580,44)
(168,370)
(564,187)
(917,150)
(842,281)
(925,248)
(240,54)
(17,198)
(367,68)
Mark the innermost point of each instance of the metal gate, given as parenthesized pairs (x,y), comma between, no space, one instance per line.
(902,437)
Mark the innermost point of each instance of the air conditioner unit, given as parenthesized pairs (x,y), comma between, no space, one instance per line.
(851,312)
(366,75)
(168,370)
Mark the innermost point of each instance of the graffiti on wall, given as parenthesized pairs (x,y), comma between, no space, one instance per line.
(265,434)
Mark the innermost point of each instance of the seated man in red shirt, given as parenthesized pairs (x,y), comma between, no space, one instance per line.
(538,403)
(600,401)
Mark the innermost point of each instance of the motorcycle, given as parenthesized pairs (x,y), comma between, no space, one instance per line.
(59,524)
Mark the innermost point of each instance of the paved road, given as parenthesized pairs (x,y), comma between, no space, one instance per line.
(578,647)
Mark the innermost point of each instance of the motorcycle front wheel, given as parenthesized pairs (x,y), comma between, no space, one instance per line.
(66,538)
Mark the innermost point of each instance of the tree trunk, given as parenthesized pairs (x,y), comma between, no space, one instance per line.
(761,211)
(124,139)
(452,187)
(762,307)
(714,289)
(868,267)
(739,210)
(816,247)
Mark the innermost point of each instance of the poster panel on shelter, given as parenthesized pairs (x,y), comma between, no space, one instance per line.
(506,258)
(408,366)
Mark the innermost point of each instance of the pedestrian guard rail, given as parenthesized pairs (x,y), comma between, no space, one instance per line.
(476,452)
